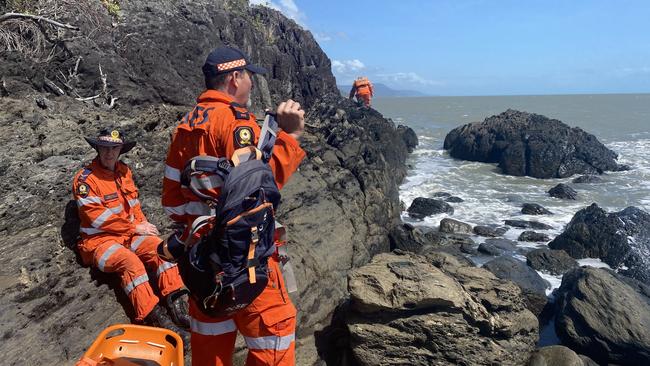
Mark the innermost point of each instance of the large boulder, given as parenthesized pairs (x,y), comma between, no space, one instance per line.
(422,207)
(530,144)
(563,191)
(620,239)
(534,209)
(448,225)
(603,317)
(559,356)
(406,311)
(523,224)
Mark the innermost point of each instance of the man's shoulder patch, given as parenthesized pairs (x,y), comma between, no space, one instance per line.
(243,136)
(82,190)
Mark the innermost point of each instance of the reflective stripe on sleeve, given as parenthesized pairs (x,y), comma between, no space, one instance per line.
(226,326)
(136,243)
(270,342)
(117,209)
(172,173)
(90,230)
(102,260)
(88,200)
(163,267)
(135,283)
(134,202)
(102,218)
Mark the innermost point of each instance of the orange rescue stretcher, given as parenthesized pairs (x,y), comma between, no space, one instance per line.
(130,345)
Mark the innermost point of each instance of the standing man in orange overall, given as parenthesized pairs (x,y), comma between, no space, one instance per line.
(117,238)
(217,126)
(363,89)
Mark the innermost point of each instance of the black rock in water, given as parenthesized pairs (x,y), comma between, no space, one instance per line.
(588,179)
(489,231)
(422,207)
(555,262)
(408,136)
(618,239)
(534,209)
(523,224)
(531,144)
(563,191)
(533,236)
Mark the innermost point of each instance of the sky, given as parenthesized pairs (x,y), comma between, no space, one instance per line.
(483,47)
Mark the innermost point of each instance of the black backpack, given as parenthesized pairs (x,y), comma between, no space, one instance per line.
(228,268)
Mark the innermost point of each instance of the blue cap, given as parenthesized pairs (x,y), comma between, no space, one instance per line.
(226,59)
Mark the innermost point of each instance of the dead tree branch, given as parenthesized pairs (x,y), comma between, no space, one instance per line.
(37,19)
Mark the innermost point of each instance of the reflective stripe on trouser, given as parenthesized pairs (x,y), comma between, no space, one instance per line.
(268,326)
(112,257)
(167,276)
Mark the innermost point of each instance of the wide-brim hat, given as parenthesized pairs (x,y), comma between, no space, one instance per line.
(111,137)
(226,59)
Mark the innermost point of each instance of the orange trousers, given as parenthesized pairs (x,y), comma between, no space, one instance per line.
(268,325)
(131,261)
(364,98)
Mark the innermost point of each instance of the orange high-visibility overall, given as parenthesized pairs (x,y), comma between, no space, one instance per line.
(109,210)
(217,127)
(364,90)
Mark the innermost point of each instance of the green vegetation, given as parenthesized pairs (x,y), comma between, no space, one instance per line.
(113,7)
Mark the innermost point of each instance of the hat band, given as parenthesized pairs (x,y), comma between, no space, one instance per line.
(110,139)
(231,65)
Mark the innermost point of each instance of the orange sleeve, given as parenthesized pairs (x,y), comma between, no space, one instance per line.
(172,197)
(134,200)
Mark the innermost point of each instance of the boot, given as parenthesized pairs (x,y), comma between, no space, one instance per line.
(158,318)
(179,308)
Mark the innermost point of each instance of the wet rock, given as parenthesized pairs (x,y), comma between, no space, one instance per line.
(556,262)
(448,225)
(588,179)
(534,209)
(441,194)
(489,249)
(408,238)
(558,356)
(530,144)
(533,286)
(454,199)
(523,224)
(533,236)
(503,244)
(468,249)
(618,239)
(603,318)
(563,191)
(403,303)
(422,207)
(489,231)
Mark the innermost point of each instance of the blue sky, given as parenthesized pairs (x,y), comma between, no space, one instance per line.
(483,47)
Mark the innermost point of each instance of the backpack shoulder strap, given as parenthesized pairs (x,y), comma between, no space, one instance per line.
(267,136)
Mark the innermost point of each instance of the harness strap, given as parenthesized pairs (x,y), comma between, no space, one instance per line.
(252,278)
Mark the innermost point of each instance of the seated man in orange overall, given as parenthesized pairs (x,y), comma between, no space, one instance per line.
(217,126)
(363,89)
(117,238)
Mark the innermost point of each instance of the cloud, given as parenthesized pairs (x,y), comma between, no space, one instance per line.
(347,66)
(406,77)
(322,37)
(286,7)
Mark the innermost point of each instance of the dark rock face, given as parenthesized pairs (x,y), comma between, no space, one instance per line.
(422,207)
(530,144)
(603,318)
(497,246)
(588,179)
(347,187)
(618,238)
(533,286)
(534,209)
(523,224)
(408,136)
(454,199)
(563,191)
(533,236)
(555,262)
(406,311)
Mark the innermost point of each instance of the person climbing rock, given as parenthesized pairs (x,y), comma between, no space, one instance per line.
(363,90)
